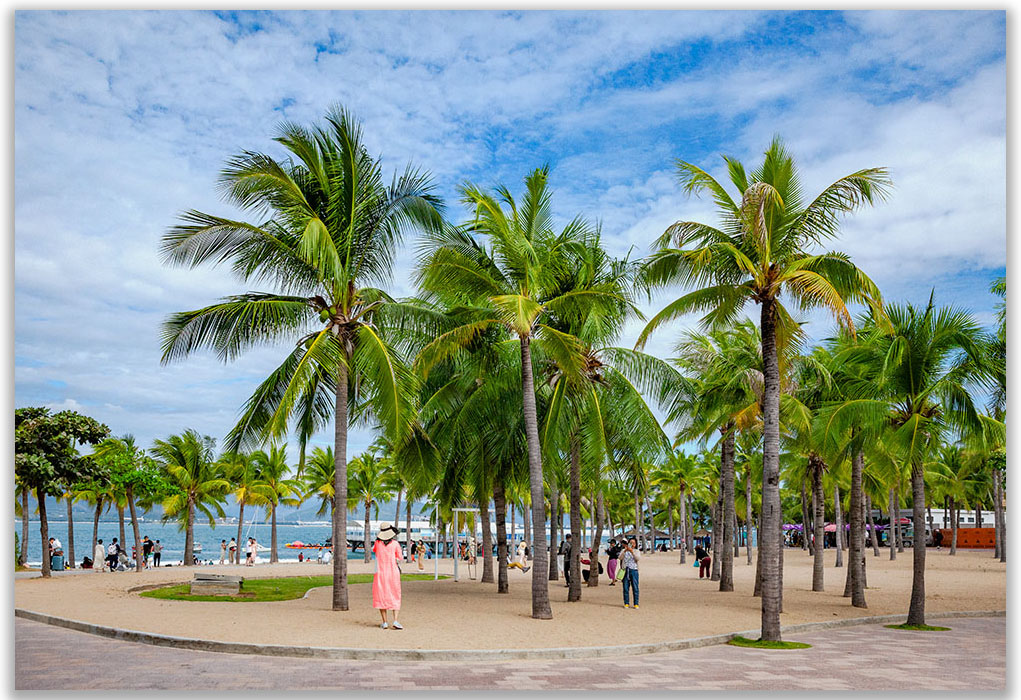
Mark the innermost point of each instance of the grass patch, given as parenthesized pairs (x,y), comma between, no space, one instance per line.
(760,644)
(263,590)
(918,628)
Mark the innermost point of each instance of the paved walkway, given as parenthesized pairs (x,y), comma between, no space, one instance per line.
(869,657)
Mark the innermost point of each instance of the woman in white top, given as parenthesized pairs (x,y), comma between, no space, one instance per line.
(629,561)
(250,552)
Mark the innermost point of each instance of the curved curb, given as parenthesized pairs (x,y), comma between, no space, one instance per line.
(459,654)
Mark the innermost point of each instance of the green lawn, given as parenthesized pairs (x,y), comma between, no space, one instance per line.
(918,628)
(759,644)
(261,590)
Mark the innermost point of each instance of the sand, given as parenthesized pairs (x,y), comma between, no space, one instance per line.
(446,614)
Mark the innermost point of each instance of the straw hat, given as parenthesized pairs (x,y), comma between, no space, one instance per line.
(387,532)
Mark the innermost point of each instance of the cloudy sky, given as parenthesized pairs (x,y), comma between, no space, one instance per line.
(123,119)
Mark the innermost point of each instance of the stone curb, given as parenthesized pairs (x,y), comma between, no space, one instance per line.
(458,654)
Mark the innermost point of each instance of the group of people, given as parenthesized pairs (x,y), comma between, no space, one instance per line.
(229,551)
(114,558)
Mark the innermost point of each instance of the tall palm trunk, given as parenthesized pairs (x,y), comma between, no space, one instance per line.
(95,529)
(838,517)
(487,542)
(593,567)
(189,532)
(891,531)
(120,518)
(954,524)
(873,537)
(407,530)
(367,552)
(689,526)
(685,533)
(340,601)
(916,612)
(804,516)
(719,543)
(748,516)
(24,525)
(574,591)
(513,524)
(652,524)
(736,526)
(670,524)
(541,609)
(757,591)
(996,519)
(407,533)
(857,543)
(44,532)
(818,523)
(70,531)
(1001,520)
(526,527)
(771,513)
(554,529)
(900,528)
(241,523)
(978,514)
(139,555)
(273,534)
(638,515)
(727,503)
(812,542)
(500,504)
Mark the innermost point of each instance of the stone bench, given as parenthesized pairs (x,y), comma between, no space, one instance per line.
(216,584)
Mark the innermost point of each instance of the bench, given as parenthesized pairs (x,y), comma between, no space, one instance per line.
(216,584)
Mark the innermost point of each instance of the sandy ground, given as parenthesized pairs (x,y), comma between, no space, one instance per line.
(445,614)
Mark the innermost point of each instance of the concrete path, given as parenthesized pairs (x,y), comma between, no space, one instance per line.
(869,657)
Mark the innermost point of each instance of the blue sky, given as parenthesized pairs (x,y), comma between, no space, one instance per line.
(123,119)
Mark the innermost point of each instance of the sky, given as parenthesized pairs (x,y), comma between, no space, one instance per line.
(123,119)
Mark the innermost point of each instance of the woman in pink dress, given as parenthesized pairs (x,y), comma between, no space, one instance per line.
(386,584)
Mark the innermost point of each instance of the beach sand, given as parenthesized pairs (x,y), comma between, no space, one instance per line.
(446,614)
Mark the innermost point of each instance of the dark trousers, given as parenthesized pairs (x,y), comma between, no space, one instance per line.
(155,558)
(630,581)
(111,561)
(703,567)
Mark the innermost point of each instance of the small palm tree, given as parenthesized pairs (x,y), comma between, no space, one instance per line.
(187,462)
(242,473)
(366,484)
(274,487)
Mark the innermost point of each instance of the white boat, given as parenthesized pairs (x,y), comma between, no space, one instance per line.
(196,547)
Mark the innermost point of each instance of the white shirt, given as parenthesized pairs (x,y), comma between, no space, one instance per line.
(99,552)
(56,543)
(112,549)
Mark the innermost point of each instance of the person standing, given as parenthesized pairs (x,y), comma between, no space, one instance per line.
(386,583)
(223,551)
(157,552)
(111,554)
(612,552)
(703,559)
(99,557)
(420,555)
(250,552)
(937,538)
(232,552)
(146,550)
(567,559)
(629,560)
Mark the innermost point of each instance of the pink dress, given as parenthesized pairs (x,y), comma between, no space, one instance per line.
(386,584)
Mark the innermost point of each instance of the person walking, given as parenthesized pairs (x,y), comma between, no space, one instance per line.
(99,557)
(223,551)
(420,552)
(157,552)
(232,552)
(146,550)
(612,552)
(702,557)
(937,538)
(629,560)
(386,583)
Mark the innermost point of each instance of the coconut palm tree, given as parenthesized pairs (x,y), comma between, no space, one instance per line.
(367,485)
(318,479)
(333,227)
(519,284)
(187,462)
(274,487)
(241,471)
(758,254)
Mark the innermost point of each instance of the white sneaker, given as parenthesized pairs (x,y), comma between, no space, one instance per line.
(384,626)
(398,626)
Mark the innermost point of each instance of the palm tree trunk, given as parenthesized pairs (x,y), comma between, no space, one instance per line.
(407,534)
(771,512)
(819,517)
(718,535)
(780,551)
(95,529)
(954,524)
(638,515)
(44,531)
(541,609)
(513,524)
(916,612)
(593,567)
(574,591)
(812,542)
(554,529)
(70,531)
(273,534)
(729,516)
(367,553)
(670,521)
(237,542)
(189,533)
(500,503)
(1001,523)
(857,544)
(487,542)
(526,527)
(24,525)
(838,517)
(978,514)
(689,526)
(873,537)
(340,601)
(139,556)
(900,529)
(685,533)
(891,532)
(120,518)
(757,592)
(652,524)
(748,516)
(737,536)
(407,529)
(804,517)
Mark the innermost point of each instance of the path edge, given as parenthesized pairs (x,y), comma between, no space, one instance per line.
(462,654)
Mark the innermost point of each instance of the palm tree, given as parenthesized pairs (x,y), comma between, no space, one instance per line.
(241,471)
(760,252)
(318,480)
(333,228)
(366,484)
(919,394)
(517,284)
(187,461)
(274,487)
